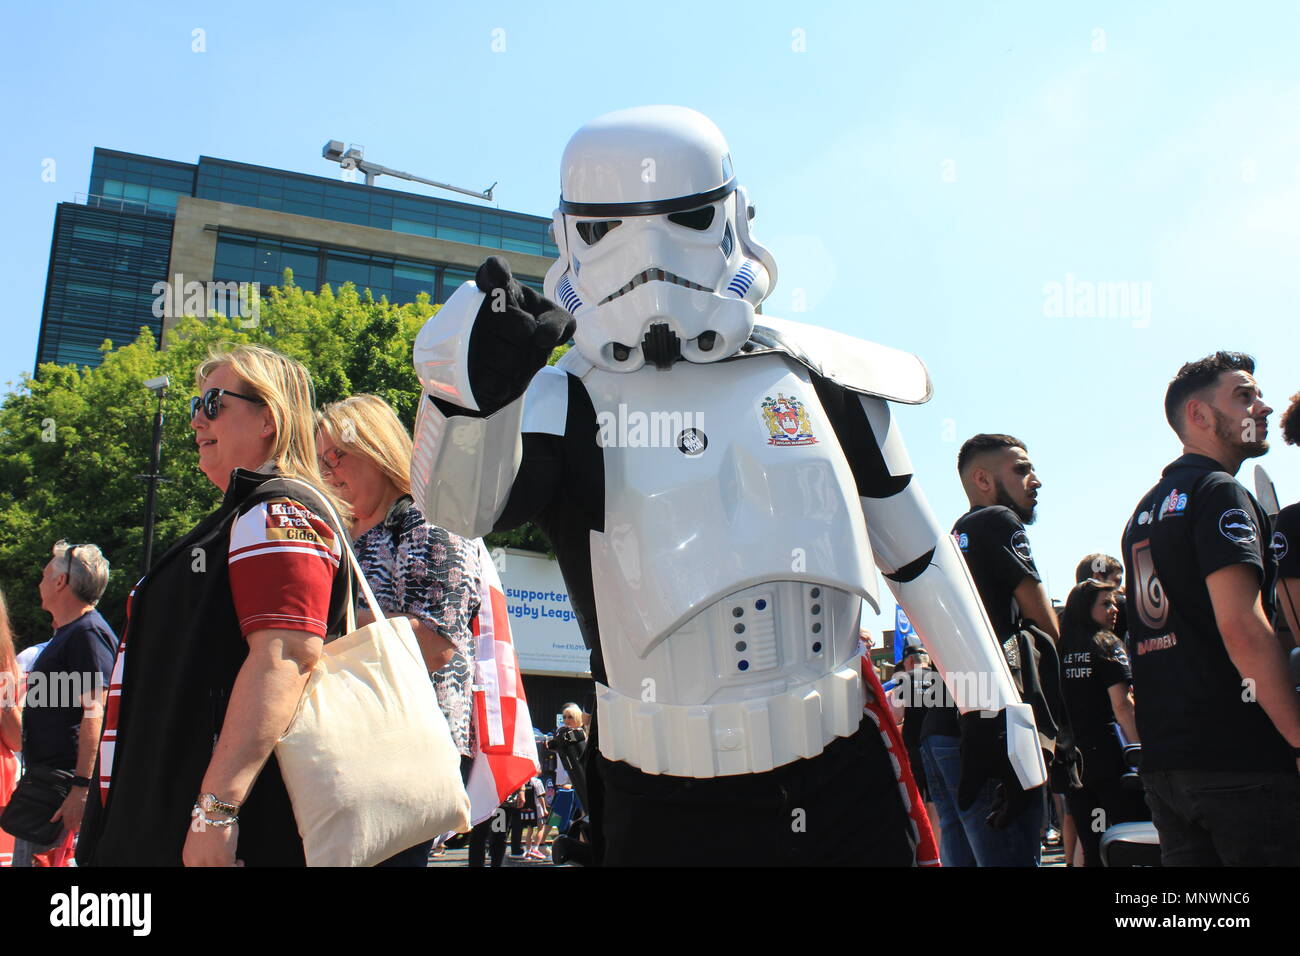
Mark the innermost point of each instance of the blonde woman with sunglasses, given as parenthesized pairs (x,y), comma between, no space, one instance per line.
(222,634)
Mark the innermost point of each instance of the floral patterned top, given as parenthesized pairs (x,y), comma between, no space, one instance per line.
(428,573)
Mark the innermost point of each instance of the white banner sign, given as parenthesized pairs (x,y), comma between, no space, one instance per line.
(542,621)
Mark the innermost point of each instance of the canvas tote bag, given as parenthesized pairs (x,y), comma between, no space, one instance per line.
(368,760)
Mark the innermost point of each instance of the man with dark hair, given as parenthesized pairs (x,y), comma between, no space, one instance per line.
(1196,380)
(1217,711)
(1002,488)
(1000,483)
(1099,567)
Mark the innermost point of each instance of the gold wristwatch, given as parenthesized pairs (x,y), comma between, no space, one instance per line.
(210,802)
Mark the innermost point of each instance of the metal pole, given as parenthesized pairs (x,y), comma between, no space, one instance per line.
(152,480)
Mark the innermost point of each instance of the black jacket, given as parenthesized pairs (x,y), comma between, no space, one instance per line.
(184,650)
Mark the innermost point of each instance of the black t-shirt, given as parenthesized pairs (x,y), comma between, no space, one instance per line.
(920,690)
(1286,541)
(1090,665)
(1190,707)
(1286,551)
(996,548)
(78,659)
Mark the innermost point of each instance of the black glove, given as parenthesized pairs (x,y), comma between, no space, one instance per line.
(984,755)
(514,333)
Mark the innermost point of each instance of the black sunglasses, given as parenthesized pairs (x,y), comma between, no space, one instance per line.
(69,550)
(211,402)
(72,549)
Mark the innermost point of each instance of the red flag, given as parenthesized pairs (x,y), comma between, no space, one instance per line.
(505,757)
(927,854)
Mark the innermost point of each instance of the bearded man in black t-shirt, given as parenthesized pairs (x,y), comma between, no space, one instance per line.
(1002,488)
(1216,709)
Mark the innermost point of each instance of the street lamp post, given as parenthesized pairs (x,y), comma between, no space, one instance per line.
(159,387)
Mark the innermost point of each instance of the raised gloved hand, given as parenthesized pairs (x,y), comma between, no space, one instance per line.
(514,333)
(984,756)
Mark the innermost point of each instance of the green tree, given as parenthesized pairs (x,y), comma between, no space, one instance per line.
(73,442)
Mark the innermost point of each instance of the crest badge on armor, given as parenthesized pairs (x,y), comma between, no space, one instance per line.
(787,421)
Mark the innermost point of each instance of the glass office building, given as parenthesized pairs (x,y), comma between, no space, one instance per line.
(102,269)
(136,227)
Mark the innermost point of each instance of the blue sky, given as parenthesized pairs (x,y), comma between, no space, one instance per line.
(923,173)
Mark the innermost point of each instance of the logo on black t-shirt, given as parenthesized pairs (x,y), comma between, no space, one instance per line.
(1236,525)
(1175,504)
(1020,545)
(1278,545)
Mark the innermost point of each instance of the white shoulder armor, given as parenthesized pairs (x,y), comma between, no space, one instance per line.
(463,467)
(442,348)
(867,368)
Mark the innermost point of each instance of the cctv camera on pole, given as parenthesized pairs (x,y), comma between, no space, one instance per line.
(354,158)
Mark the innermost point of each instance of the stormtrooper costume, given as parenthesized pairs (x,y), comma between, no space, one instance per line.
(720,487)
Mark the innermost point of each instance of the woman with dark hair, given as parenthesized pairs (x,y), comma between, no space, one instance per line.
(1097,685)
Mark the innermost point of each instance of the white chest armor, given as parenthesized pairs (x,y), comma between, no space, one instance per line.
(730,574)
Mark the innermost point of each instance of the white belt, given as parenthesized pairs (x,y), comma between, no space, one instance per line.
(747,736)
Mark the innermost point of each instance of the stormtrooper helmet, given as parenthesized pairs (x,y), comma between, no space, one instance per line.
(656,259)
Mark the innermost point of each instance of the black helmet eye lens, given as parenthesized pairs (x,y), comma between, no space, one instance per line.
(697,219)
(593,231)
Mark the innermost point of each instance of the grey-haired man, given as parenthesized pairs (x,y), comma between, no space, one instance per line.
(63,709)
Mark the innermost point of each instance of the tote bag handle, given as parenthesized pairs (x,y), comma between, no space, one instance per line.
(354,565)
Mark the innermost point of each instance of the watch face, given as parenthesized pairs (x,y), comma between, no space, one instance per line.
(209,803)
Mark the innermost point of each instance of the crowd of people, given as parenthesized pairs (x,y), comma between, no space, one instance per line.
(544,807)
(1182,678)
(1176,704)
(227,625)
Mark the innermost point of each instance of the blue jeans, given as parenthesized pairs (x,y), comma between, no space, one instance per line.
(965,839)
(24,850)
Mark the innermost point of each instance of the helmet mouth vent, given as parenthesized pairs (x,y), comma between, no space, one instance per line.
(661,346)
(652,275)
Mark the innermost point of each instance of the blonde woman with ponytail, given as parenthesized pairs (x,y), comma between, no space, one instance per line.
(222,635)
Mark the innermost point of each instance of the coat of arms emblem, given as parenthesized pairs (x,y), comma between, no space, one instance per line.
(787,421)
